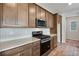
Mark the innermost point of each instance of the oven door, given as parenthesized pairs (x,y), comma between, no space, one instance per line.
(44,47)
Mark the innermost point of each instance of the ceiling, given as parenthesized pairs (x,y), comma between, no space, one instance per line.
(60,7)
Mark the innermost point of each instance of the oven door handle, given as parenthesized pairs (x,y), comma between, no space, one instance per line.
(45,41)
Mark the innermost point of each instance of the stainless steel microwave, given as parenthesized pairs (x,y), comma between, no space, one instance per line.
(40,23)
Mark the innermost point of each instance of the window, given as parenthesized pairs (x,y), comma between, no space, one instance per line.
(73,25)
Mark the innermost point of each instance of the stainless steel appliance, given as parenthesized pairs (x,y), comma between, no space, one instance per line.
(40,23)
(44,42)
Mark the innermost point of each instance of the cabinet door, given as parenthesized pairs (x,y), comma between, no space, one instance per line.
(36,48)
(50,20)
(52,43)
(27,52)
(1,11)
(47,19)
(55,41)
(22,15)
(9,14)
(36,51)
(38,11)
(43,14)
(32,15)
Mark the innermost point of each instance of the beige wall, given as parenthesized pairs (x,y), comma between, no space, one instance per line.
(72,34)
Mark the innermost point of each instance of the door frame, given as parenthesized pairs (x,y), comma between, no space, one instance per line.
(60,29)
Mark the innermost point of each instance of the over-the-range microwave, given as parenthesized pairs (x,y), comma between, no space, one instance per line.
(40,23)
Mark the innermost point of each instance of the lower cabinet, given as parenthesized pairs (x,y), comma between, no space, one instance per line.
(31,49)
(53,42)
(27,52)
(36,48)
(19,51)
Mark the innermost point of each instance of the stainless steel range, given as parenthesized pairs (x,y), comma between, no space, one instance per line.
(44,42)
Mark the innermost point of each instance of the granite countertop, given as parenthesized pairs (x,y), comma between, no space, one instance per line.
(6,45)
(16,43)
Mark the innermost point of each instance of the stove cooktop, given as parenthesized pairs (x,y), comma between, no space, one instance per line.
(39,34)
(42,36)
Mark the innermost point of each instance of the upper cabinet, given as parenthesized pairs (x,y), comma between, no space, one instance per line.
(9,15)
(22,15)
(15,15)
(57,19)
(43,14)
(49,19)
(38,12)
(1,14)
(32,15)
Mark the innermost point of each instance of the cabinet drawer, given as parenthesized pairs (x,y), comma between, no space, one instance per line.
(24,47)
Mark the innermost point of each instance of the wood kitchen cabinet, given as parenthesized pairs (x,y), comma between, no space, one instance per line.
(22,15)
(19,15)
(36,48)
(25,50)
(32,15)
(31,49)
(49,19)
(43,14)
(9,15)
(1,11)
(53,42)
(38,12)
(14,15)
(55,24)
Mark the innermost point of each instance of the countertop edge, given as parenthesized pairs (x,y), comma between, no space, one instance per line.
(19,45)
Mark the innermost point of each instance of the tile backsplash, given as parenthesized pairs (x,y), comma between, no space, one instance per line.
(7,34)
